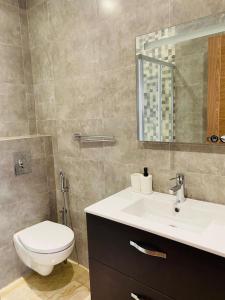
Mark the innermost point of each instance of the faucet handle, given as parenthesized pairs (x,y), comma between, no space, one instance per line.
(179,177)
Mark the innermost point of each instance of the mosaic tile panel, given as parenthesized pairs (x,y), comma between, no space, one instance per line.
(155,129)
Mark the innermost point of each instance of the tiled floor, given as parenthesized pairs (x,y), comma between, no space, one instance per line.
(67,282)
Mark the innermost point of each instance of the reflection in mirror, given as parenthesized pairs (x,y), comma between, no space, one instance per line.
(180,74)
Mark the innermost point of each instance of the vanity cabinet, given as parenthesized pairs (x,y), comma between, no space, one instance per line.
(126,261)
(108,284)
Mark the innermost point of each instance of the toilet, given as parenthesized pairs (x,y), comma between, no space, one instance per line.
(44,245)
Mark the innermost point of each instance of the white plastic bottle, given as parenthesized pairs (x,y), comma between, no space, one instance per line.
(146,182)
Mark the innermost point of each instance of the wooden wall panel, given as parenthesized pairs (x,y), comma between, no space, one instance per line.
(216,86)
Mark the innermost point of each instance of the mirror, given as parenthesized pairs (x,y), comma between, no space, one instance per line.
(181,83)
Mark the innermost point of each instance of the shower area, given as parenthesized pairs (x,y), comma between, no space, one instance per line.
(156,91)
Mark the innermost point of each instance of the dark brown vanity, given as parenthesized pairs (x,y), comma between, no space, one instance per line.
(128,263)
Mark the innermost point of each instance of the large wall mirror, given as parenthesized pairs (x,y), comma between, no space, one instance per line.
(181,83)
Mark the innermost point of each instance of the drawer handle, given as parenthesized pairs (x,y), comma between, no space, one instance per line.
(138,297)
(149,252)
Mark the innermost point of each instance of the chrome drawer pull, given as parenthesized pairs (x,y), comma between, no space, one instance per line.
(135,297)
(148,251)
(138,297)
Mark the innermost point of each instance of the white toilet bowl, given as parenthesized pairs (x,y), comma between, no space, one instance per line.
(44,245)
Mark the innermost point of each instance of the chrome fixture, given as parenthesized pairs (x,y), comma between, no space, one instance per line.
(63,186)
(142,61)
(93,138)
(65,211)
(179,190)
(64,189)
(135,296)
(22,163)
(150,252)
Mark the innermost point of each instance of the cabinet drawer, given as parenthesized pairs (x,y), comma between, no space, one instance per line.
(109,284)
(183,273)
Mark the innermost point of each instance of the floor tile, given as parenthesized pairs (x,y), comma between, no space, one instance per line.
(67,282)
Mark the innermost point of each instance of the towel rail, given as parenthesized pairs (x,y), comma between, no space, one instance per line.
(93,138)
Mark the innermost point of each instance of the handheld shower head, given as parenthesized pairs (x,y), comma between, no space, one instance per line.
(62,182)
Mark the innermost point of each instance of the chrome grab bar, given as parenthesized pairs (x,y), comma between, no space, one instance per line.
(93,138)
(149,252)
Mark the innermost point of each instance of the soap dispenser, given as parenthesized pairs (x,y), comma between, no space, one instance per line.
(146,182)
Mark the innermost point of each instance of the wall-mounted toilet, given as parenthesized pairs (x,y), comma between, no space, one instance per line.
(44,245)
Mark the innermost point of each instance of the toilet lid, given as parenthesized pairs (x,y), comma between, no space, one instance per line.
(46,237)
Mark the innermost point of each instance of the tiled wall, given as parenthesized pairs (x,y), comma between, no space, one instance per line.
(16,90)
(24,200)
(83,61)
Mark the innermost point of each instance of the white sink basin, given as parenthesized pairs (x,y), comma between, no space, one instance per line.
(190,217)
(198,224)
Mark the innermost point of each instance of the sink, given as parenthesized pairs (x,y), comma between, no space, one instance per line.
(191,217)
(198,224)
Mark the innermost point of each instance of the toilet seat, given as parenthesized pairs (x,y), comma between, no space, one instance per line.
(46,237)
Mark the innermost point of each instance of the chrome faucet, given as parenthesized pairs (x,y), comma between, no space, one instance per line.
(178,188)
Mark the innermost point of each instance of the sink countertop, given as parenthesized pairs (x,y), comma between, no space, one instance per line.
(211,239)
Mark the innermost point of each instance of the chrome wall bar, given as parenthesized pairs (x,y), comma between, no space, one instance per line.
(155,60)
(93,138)
(140,96)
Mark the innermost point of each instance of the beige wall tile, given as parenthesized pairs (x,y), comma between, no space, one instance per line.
(32,3)
(10,2)
(38,25)
(41,64)
(24,199)
(83,60)
(9,25)
(183,11)
(11,64)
